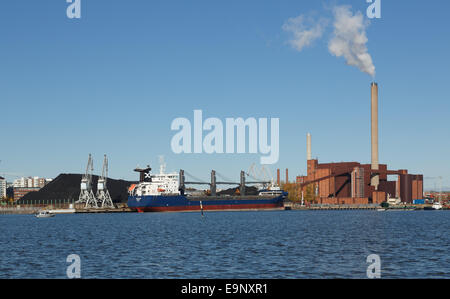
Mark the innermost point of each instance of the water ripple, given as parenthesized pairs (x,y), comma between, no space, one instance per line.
(278,244)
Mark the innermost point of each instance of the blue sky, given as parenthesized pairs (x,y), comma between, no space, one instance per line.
(113,81)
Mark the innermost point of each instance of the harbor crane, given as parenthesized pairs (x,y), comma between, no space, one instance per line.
(87,195)
(103,198)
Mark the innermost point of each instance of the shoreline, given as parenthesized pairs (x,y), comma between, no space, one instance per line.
(287,207)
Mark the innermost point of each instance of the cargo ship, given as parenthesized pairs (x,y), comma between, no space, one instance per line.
(166,192)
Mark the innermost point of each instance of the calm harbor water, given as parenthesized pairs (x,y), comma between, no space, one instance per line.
(272,244)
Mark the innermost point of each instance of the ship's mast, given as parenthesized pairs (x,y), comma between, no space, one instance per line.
(162,165)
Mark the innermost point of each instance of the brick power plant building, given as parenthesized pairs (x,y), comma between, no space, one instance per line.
(355,183)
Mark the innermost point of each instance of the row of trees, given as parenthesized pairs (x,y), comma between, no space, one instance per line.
(295,193)
(6,200)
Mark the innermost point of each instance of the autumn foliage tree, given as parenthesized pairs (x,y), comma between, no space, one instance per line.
(295,192)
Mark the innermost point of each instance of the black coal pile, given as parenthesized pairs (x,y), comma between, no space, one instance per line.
(249,190)
(67,187)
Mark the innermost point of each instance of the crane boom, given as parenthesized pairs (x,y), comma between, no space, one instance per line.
(87,195)
(103,198)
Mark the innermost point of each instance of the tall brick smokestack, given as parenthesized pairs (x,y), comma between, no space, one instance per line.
(308,147)
(374,133)
(278,177)
(287,176)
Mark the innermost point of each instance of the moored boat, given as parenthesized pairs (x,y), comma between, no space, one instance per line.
(434,207)
(437,206)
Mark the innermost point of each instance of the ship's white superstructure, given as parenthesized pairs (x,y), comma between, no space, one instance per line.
(271,191)
(157,184)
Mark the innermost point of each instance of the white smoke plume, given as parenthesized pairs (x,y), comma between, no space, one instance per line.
(304,31)
(349,40)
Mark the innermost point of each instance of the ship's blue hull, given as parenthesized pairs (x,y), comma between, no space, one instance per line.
(183,203)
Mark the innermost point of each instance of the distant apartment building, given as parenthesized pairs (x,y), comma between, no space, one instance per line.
(24,185)
(30,182)
(2,187)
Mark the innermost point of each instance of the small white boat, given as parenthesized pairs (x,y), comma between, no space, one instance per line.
(437,206)
(44,214)
(381,210)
